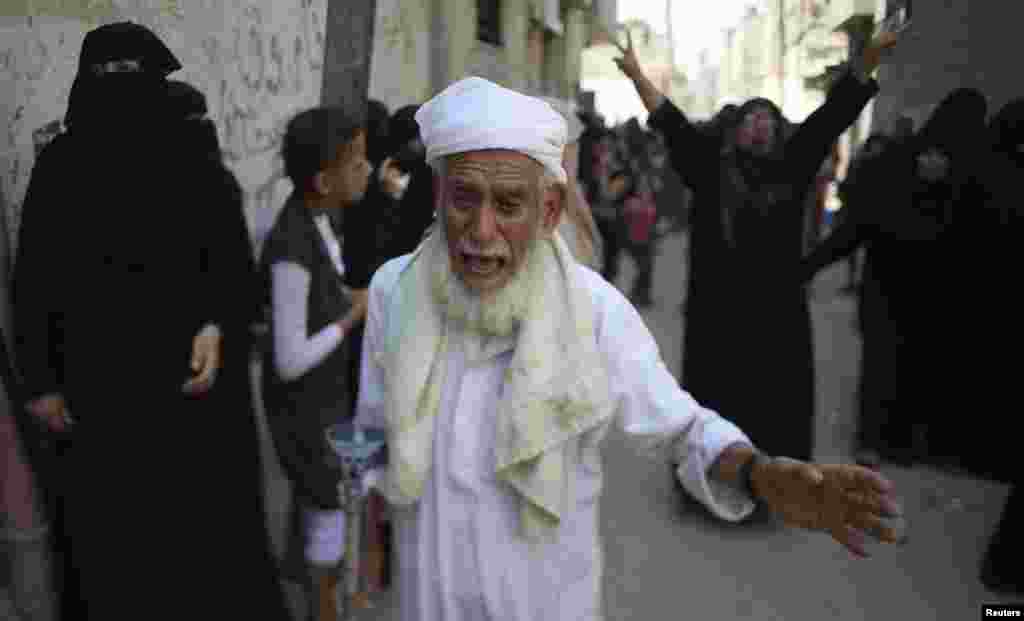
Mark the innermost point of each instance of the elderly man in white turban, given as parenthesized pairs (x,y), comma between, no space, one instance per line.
(497,363)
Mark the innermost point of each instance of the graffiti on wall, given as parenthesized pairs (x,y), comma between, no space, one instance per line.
(257,61)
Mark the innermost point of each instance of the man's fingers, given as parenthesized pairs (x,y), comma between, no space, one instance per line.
(889,507)
(629,40)
(811,474)
(874,526)
(873,480)
(852,539)
(205,378)
(200,353)
(864,480)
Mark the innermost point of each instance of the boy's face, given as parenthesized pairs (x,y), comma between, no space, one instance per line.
(345,179)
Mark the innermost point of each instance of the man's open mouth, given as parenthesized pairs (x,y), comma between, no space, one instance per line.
(482,265)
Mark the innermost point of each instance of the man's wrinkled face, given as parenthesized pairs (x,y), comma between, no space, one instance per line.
(493,211)
(933,165)
(757,130)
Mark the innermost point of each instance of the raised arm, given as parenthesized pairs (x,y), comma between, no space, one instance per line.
(843,241)
(813,140)
(689,149)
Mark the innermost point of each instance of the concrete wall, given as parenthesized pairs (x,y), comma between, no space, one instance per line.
(951,45)
(257,61)
(400,69)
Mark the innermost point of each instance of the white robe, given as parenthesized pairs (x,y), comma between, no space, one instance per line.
(460,556)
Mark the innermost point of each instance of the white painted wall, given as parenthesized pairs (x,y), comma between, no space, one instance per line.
(257,61)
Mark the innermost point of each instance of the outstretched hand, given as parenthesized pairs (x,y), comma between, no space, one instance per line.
(848,502)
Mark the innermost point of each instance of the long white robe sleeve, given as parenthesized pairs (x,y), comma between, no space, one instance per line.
(460,555)
(659,418)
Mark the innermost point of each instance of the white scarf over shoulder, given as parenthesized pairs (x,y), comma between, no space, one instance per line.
(556,386)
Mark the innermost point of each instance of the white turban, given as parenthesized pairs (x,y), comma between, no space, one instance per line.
(568,111)
(474,114)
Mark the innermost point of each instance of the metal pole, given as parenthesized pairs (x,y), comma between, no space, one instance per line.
(671,37)
(782,54)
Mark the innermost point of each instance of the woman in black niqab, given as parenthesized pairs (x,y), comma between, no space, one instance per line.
(121,71)
(121,67)
(903,208)
(417,204)
(141,250)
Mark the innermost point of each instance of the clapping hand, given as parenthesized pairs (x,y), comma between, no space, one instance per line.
(848,502)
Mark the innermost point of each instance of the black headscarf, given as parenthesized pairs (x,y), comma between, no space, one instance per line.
(732,120)
(1006,131)
(403,127)
(376,132)
(100,97)
(957,126)
(186,105)
(404,140)
(753,167)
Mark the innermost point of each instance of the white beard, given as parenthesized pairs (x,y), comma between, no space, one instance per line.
(502,312)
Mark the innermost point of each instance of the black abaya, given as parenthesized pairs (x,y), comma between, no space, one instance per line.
(747,348)
(162,493)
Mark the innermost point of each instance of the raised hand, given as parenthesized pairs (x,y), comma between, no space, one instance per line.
(628,64)
(881,44)
(848,502)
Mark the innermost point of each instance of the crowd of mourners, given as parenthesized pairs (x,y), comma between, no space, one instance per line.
(131,449)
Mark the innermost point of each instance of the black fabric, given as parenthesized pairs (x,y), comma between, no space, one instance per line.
(416,209)
(613,242)
(184,99)
(1006,131)
(956,124)
(117,271)
(403,128)
(1001,565)
(755,367)
(918,233)
(127,40)
(98,99)
(299,411)
(377,130)
(1001,310)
